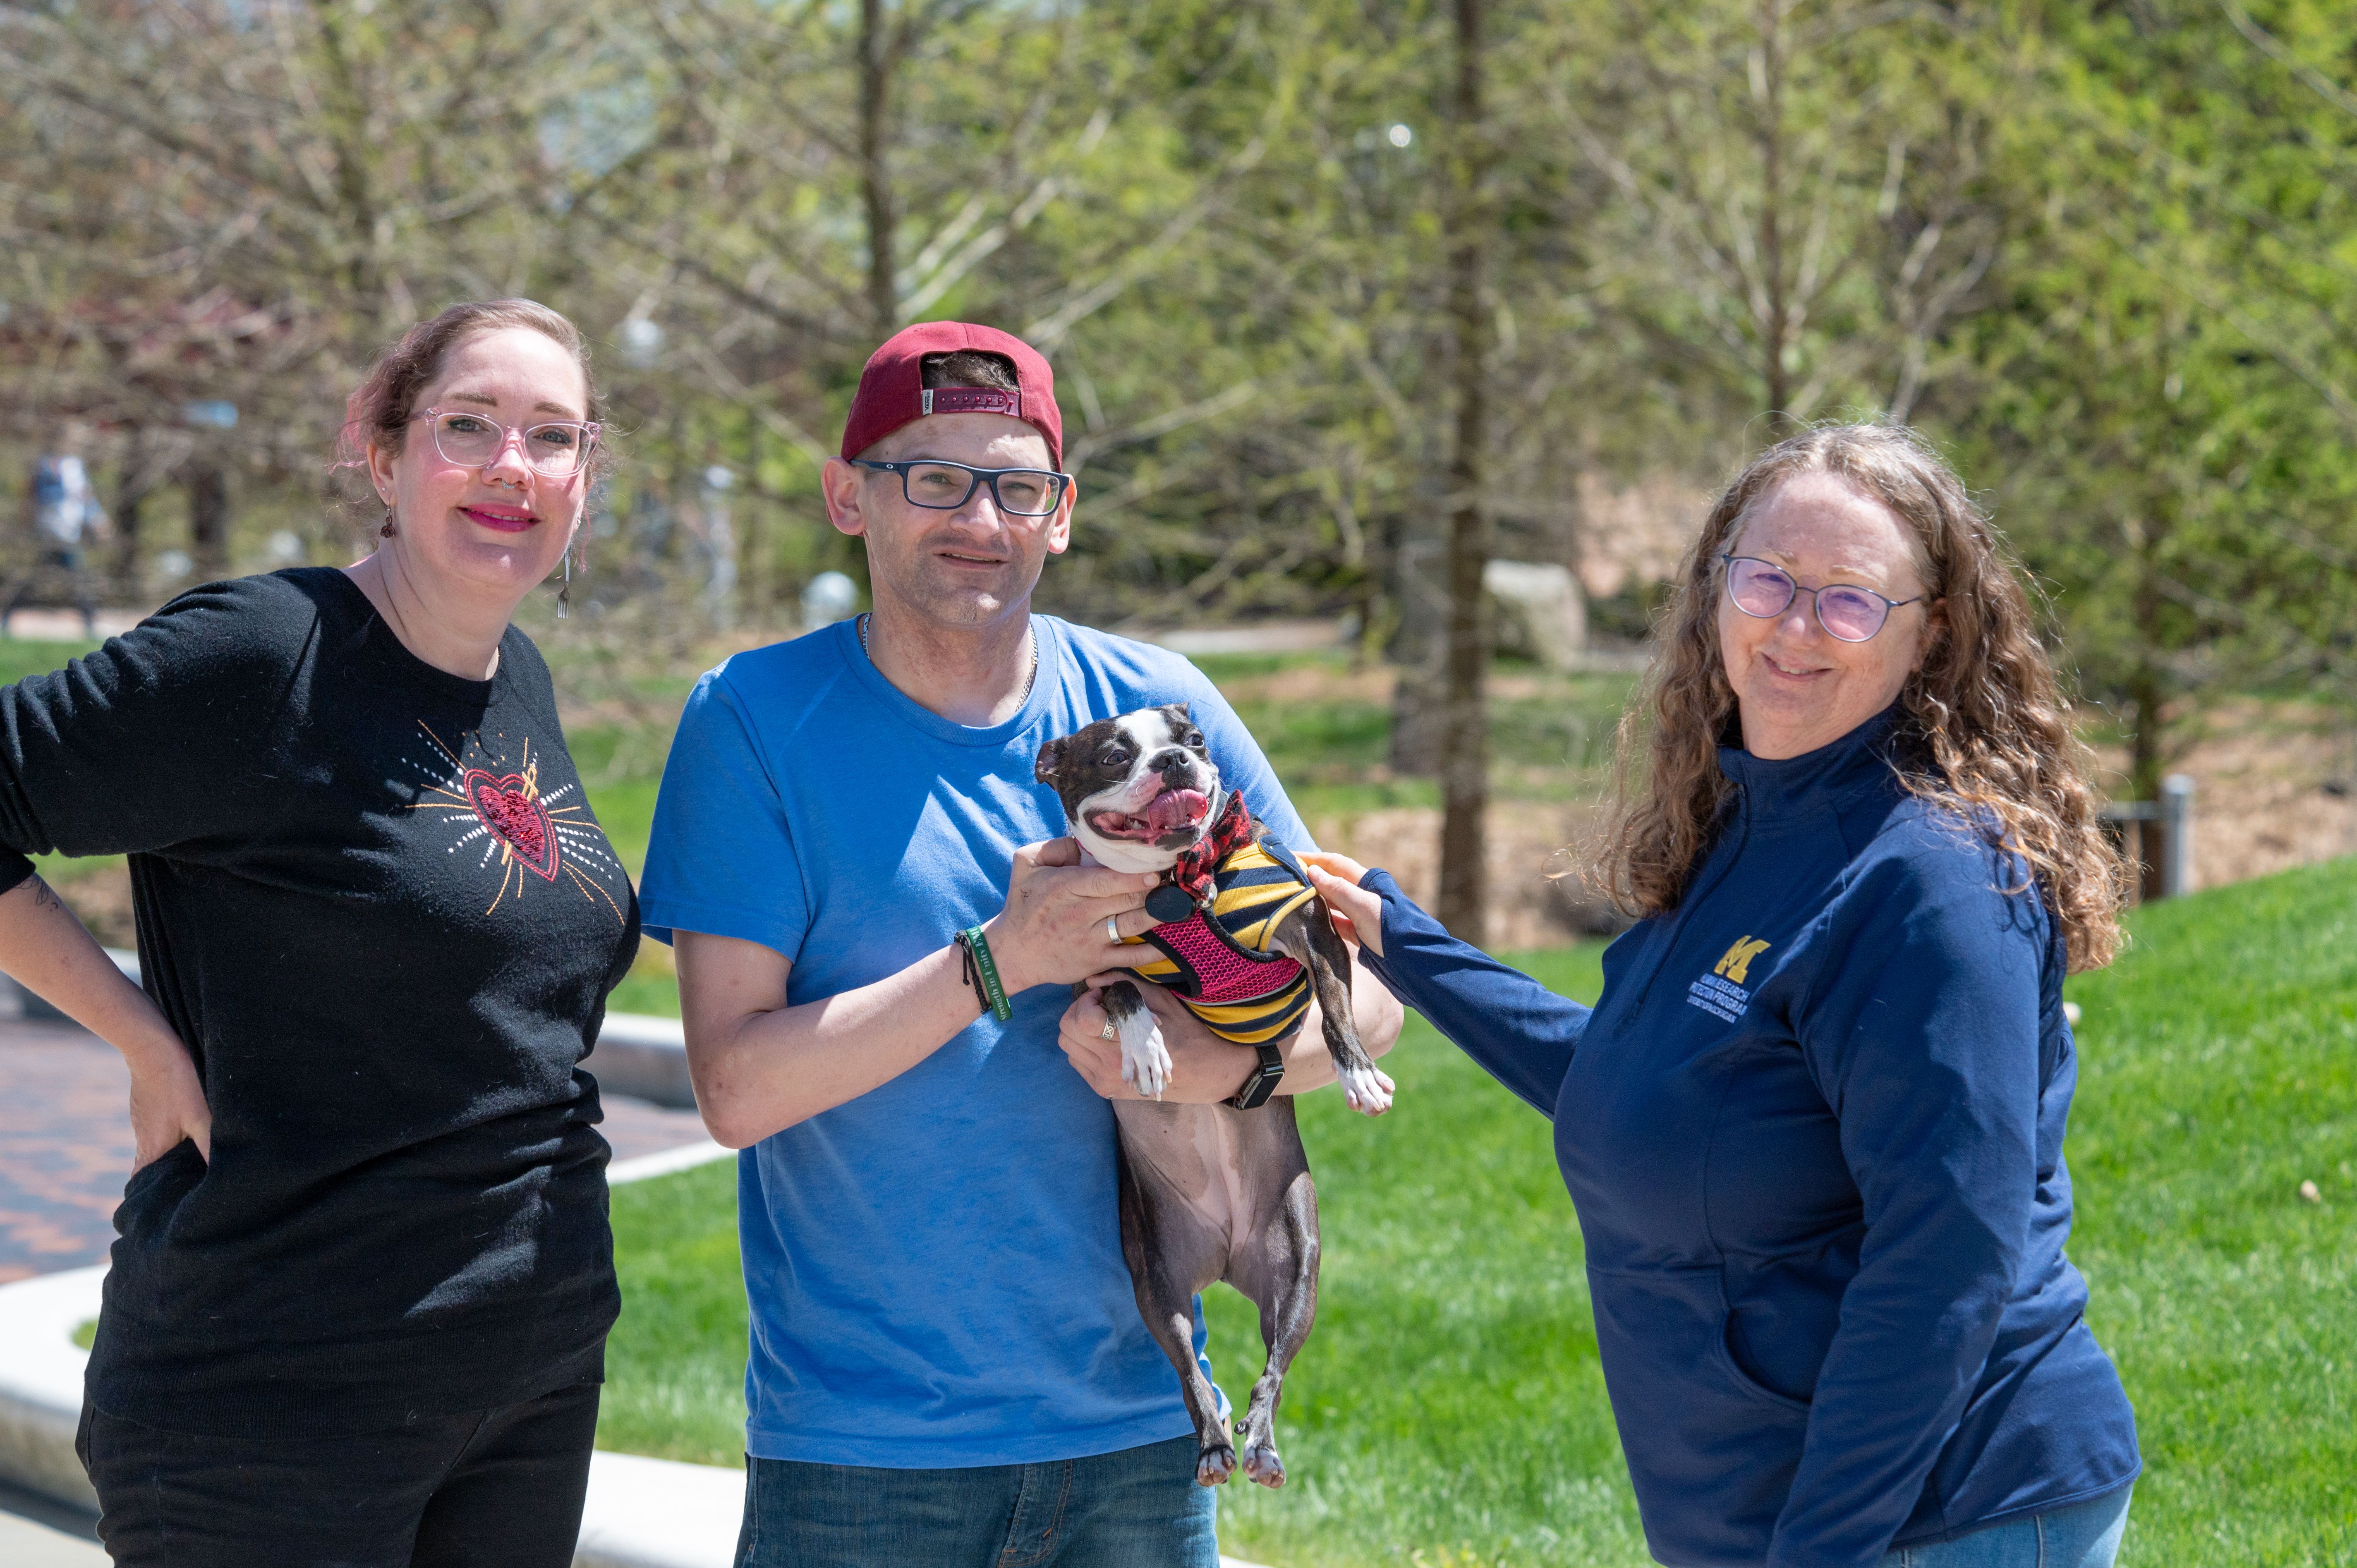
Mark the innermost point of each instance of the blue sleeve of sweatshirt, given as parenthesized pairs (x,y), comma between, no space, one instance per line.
(1522,1034)
(1923,1035)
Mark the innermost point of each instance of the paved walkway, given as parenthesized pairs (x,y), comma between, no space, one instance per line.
(65,1146)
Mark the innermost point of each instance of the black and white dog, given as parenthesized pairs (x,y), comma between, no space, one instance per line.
(1212,1192)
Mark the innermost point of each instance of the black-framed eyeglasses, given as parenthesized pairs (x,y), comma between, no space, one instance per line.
(940,484)
(1846,610)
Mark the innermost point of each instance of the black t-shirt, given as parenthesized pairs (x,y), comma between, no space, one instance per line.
(373,901)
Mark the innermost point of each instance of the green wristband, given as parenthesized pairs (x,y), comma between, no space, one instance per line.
(978,964)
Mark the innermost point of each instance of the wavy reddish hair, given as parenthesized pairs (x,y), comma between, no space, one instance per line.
(1984,730)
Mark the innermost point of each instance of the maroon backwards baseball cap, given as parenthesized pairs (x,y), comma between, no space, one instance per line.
(892,391)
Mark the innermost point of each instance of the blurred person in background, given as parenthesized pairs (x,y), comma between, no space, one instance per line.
(66,517)
(1814,1125)
(357,1311)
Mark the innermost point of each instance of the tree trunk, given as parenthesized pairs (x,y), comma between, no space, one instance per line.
(754,545)
(131,493)
(1465,720)
(1419,641)
(348,132)
(1775,377)
(2144,772)
(208,484)
(875,179)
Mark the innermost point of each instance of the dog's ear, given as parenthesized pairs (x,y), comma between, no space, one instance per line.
(1180,717)
(1049,762)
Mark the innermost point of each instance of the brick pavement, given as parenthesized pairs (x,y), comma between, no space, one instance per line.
(65,1144)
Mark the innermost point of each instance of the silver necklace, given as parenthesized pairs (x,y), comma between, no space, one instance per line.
(1028,680)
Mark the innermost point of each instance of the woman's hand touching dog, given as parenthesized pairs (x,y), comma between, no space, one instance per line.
(1358,914)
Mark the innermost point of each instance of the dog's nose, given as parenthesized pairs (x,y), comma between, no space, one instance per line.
(1174,760)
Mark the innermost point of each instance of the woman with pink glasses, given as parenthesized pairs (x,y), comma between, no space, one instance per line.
(357,1311)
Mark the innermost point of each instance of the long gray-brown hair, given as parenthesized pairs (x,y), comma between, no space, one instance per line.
(1985,728)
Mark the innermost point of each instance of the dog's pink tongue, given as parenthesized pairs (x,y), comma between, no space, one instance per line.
(1176,809)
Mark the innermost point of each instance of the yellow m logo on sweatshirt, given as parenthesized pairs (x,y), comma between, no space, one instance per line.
(1737,964)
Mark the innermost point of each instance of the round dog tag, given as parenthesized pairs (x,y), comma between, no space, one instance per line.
(1167,904)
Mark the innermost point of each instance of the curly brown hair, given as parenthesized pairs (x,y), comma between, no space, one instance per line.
(1985,730)
(381,407)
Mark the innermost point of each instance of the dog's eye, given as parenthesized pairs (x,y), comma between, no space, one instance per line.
(1194,738)
(1112,757)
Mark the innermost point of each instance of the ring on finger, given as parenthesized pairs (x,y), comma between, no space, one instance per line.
(1112,929)
(1108,1032)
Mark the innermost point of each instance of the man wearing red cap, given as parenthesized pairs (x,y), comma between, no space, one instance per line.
(854,859)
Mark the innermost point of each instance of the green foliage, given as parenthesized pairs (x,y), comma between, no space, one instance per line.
(2156,407)
(1449,1406)
(2100,252)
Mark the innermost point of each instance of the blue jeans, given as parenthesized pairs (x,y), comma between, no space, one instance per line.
(2084,1535)
(1138,1507)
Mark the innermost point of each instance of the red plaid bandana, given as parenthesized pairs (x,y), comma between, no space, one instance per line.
(1192,873)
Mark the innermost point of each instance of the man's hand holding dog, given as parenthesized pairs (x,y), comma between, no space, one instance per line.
(1054,928)
(1204,1068)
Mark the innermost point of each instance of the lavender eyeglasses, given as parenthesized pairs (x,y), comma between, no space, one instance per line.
(1847,611)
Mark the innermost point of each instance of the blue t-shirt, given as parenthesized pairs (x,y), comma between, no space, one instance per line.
(935,1267)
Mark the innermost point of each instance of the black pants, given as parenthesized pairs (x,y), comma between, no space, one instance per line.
(496,1488)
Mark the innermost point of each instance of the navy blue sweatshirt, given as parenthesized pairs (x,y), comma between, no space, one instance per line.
(1813,1131)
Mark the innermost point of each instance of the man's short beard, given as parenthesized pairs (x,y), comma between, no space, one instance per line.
(961,610)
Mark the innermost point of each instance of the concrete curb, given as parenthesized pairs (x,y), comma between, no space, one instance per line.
(681,1159)
(659,1513)
(40,1383)
(642,1057)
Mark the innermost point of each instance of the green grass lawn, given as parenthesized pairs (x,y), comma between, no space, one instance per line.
(2219,1072)
(1333,753)
(1449,1409)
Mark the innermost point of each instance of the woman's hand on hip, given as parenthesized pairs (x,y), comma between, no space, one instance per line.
(1358,914)
(46,948)
(168,1105)
(1053,929)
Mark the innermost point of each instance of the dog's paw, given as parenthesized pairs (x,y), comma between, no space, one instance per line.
(1262,1465)
(1214,1466)
(1145,1061)
(1366,1090)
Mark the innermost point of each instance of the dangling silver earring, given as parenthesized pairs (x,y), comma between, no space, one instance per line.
(577,544)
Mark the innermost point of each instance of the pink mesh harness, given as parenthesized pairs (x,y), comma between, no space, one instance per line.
(1227,976)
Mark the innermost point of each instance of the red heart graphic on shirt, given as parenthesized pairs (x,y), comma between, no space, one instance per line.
(515,818)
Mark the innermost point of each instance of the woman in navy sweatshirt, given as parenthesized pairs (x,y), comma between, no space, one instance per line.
(1814,1125)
